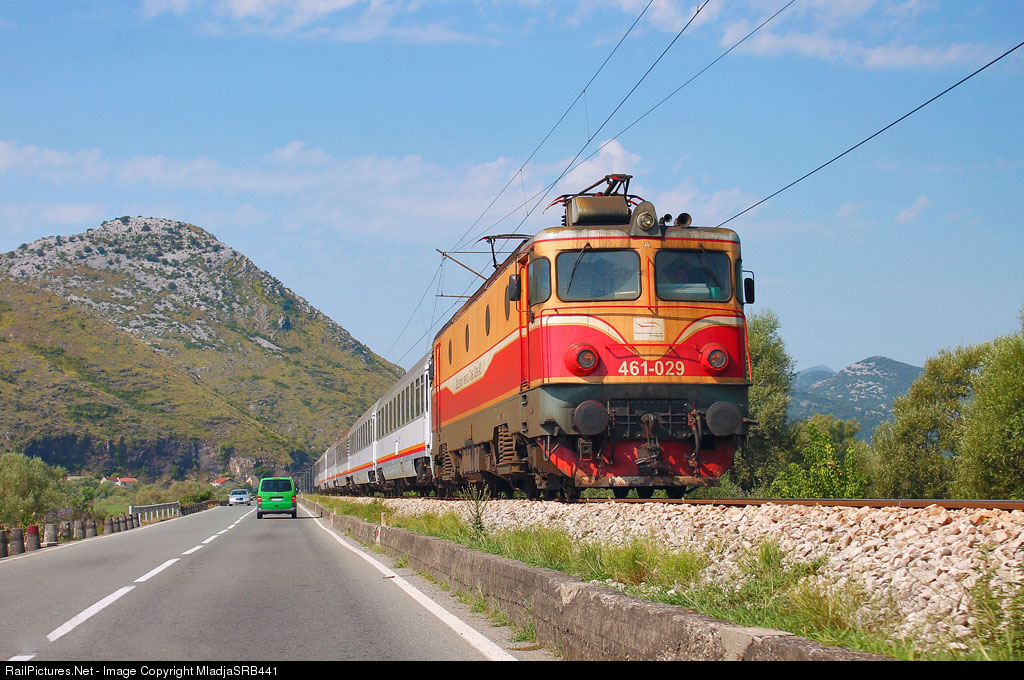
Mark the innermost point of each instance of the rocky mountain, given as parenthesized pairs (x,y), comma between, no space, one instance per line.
(147,344)
(864,390)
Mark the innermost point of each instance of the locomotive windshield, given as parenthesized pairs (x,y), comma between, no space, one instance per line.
(692,275)
(589,274)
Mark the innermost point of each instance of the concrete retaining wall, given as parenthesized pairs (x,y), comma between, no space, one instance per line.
(586,621)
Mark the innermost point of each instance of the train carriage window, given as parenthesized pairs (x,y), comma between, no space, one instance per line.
(692,275)
(539,275)
(487,320)
(467,337)
(589,274)
(449,352)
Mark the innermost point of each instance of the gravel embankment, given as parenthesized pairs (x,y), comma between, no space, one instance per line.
(918,564)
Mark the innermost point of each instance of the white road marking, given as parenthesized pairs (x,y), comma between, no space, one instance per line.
(223,532)
(149,575)
(210,539)
(473,637)
(192,550)
(86,614)
(22,657)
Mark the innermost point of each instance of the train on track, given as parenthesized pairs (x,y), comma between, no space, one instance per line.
(608,352)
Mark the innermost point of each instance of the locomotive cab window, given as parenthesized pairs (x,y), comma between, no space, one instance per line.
(539,280)
(692,275)
(598,274)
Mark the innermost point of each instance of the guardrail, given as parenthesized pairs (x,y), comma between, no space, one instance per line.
(157,512)
(17,540)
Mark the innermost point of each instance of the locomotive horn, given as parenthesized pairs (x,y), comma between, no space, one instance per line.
(684,220)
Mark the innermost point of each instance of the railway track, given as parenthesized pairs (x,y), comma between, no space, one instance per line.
(830,502)
(948,504)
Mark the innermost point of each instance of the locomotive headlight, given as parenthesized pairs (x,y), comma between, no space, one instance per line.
(646,220)
(586,359)
(581,359)
(714,358)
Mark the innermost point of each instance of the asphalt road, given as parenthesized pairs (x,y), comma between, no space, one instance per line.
(218,585)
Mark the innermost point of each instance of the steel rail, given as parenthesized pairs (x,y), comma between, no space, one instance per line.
(948,504)
(910,503)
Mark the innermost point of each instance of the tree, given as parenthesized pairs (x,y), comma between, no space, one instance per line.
(765,453)
(28,489)
(916,451)
(824,474)
(991,463)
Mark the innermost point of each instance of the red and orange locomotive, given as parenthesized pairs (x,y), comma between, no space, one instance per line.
(610,352)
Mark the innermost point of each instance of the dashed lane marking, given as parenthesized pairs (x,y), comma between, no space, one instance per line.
(88,613)
(145,577)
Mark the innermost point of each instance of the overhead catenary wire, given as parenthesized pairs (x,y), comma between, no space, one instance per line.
(583,148)
(645,114)
(520,171)
(582,94)
(618,106)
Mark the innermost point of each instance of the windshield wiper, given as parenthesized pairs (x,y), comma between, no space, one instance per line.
(704,264)
(576,264)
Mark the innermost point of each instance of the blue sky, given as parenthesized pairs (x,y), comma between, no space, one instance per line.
(337,143)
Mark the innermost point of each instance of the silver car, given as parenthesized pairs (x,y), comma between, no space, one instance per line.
(239,496)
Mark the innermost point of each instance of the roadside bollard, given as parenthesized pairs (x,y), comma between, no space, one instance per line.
(65,531)
(50,534)
(79,530)
(90,528)
(17,542)
(130,519)
(108,525)
(32,538)
(3,543)
(118,524)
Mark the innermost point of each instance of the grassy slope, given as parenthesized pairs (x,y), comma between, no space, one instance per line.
(64,370)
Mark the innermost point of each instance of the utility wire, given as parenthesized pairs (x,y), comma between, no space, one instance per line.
(868,139)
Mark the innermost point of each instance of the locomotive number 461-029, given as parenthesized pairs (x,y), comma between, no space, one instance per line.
(659,367)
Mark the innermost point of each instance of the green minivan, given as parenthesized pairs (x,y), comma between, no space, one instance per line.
(276,495)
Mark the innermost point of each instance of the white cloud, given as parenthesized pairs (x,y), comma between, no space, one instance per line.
(16,218)
(337,20)
(911,213)
(847,210)
(58,166)
(612,158)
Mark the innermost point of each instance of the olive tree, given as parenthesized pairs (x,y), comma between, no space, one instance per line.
(991,444)
(765,453)
(28,489)
(916,451)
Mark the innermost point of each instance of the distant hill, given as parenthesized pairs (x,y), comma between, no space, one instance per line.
(149,346)
(815,374)
(864,390)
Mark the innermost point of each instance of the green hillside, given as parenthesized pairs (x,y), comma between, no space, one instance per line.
(145,339)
